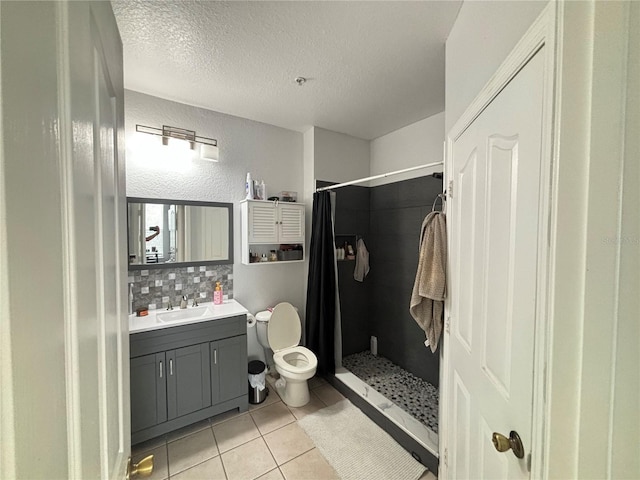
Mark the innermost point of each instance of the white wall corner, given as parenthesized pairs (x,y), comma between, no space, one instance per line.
(416,144)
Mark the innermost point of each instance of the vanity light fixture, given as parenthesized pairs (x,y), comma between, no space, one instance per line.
(209,150)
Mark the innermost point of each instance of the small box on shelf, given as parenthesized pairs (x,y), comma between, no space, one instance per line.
(288,196)
(289,255)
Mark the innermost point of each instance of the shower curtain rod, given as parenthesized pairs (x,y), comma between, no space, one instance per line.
(382,175)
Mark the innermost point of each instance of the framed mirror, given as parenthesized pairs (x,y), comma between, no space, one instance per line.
(169,233)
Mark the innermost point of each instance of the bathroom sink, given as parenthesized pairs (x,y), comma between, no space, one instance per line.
(188,313)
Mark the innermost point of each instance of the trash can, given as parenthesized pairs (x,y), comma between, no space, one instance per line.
(258,389)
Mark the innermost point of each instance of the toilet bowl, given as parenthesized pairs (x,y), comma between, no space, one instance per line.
(294,363)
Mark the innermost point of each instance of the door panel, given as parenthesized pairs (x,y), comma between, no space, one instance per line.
(232,361)
(262,223)
(63,128)
(188,384)
(148,391)
(494,244)
(291,223)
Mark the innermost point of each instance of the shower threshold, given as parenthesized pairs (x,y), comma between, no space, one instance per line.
(412,427)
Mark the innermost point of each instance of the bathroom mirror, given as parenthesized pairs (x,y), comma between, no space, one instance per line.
(167,233)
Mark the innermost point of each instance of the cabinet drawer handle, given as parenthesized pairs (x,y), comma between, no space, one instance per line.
(160,369)
(215,356)
(171,366)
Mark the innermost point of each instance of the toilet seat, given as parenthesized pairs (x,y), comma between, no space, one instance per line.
(284,327)
(283,336)
(310,357)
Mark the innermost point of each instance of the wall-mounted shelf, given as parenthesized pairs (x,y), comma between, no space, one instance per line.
(268,226)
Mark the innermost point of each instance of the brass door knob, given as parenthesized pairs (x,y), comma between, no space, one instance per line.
(143,468)
(512,443)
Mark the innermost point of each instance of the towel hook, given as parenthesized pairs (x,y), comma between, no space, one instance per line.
(443,198)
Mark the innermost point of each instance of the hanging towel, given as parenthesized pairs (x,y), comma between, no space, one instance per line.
(430,287)
(362,261)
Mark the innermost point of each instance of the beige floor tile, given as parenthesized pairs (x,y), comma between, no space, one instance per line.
(248,461)
(272,417)
(315,382)
(328,394)
(188,430)
(235,432)
(271,398)
(311,465)
(288,442)
(160,464)
(428,476)
(191,450)
(148,445)
(211,470)
(223,417)
(314,405)
(274,474)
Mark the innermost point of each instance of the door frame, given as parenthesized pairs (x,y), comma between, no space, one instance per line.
(542,33)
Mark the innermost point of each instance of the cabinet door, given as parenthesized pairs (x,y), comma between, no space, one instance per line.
(262,223)
(148,391)
(230,365)
(291,223)
(188,380)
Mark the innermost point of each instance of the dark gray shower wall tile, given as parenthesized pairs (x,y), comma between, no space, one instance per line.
(413,192)
(352,198)
(361,222)
(418,191)
(384,196)
(324,183)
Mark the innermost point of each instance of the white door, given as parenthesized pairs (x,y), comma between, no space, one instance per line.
(63,162)
(262,223)
(494,234)
(291,226)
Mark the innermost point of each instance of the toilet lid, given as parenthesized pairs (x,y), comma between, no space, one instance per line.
(284,327)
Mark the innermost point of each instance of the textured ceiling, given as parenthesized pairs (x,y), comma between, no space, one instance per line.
(372,67)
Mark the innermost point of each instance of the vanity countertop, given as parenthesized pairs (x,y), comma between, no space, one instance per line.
(158,319)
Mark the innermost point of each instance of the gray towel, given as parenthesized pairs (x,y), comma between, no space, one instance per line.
(362,261)
(430,287)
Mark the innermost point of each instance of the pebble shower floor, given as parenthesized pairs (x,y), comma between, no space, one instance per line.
(414,395)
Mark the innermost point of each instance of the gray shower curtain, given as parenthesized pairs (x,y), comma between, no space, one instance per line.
(322,286)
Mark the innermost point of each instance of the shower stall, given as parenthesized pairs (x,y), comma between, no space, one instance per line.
(396,383)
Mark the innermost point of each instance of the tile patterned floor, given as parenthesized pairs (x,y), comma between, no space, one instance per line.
(264,443)
(414,395)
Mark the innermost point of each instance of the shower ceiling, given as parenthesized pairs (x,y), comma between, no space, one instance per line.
(370,67)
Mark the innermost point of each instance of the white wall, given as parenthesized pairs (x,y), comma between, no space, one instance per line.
(270,153)
(416,144)
(481,38)
(339,157)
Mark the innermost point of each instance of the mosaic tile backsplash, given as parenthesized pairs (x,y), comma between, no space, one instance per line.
(154,287)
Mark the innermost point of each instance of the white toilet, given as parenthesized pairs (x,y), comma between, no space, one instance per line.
(280,330)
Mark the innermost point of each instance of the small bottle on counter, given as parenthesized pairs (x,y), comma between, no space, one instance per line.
(217,294)
(273,257)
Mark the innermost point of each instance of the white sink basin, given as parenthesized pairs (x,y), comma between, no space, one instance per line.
(184,314)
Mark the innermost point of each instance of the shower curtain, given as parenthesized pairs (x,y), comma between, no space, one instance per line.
(322,311)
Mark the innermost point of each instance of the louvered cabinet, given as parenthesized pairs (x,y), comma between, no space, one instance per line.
(268,226)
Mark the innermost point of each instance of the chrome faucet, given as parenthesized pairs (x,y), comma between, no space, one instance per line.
(170,305)
(183,302)
(195,300)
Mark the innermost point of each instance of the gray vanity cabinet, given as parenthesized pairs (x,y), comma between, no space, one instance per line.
(148,391)
(184,374)
(229,371)
(188,380)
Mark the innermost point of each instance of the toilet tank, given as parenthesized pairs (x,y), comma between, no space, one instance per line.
(262,322)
